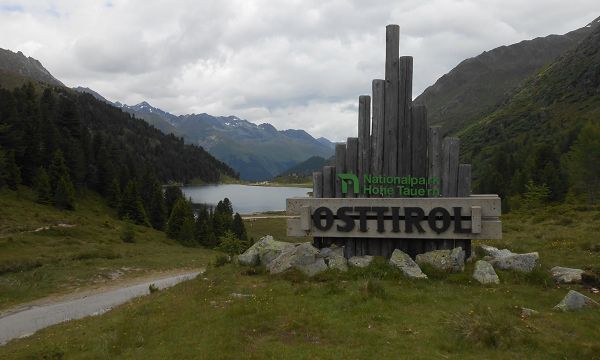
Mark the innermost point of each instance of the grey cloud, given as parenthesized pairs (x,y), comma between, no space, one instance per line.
(296,64)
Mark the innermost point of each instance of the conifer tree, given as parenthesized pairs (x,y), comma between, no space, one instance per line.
(172,194)
(64,194)
(42,187)
(131,205)
(157,211)
(113,195)
(181,218)
(13,172)
(238,228)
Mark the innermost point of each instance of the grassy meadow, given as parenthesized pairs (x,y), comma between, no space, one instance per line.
(235,312)
(46,251)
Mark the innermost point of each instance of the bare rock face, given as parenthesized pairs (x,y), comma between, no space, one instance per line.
(407,265)
(303,257)
(360,261)
(445,260)
(565,275)
(484,273)
(575,301)
(263,252)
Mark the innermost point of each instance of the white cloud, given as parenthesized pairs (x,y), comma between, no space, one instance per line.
(295,64)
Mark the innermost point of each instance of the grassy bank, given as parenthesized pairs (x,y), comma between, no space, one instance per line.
(46,251)
(364,313)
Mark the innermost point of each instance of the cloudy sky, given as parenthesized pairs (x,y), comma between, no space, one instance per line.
(295,64)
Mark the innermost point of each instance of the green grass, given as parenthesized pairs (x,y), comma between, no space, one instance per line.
(362,314)
(89,252)
(276,227)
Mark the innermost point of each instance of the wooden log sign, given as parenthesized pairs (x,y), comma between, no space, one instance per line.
(399,184)
(475,217)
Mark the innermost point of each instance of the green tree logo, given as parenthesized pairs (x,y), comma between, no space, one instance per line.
(349,177)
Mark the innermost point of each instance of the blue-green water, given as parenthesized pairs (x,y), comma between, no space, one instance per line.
(245,199)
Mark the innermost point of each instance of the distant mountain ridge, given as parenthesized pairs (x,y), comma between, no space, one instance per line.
(480,84)
(257,152)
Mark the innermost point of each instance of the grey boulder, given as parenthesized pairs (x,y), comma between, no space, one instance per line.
(566,275)
(407,265)
(494,252)
(520,262)
(360,261)
(445,260)
(484,273)
(335,261)
(526,312)
(304,257)
(575,301)
(263,252)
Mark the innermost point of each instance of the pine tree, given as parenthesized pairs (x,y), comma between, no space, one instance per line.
(204,231)
(42,187)
(172,194)
(131,205)
(583,160)
(238,228)
(57,169)
(13,172)
(113,195)
(64,194)
(181,215)
(157,211)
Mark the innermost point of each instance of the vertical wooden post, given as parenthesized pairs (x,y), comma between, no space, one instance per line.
(317,193)
(351,161)
(464,180)
(364,137)
(328,181)
(340,167)
(434,158)
(392,51)
(405,132)
(378,131)
(418,122)
(450,147)
(317,184)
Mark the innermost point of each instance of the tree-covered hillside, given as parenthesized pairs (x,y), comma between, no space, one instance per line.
(544,142)
(99,142)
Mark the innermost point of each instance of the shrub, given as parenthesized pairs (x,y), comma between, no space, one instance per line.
(230,244)
(128,233)
(373,289)
(152,288)
(221,260)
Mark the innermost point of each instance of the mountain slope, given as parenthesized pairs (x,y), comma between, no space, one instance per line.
(100,143)
(530,137)
(307,167)
(17,66)
(257,152)
(478,85)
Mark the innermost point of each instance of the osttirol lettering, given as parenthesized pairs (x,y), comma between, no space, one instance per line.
(389,219)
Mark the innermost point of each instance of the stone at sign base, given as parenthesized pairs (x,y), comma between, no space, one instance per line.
(360,261)
(445,260)
(336,261)
(575,301)
(263,252)
(407,265)
(565,275)
(304,257)
(520,262)
(484,273)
